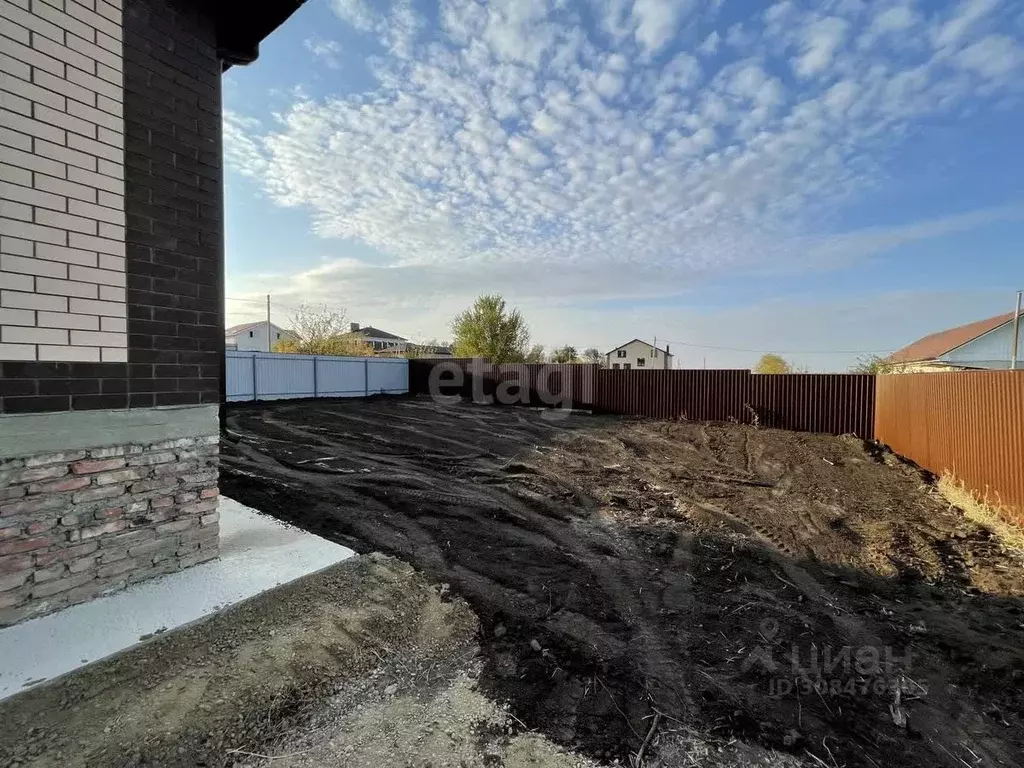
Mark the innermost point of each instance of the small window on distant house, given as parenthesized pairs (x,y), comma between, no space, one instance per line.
(615,365)
(626,366)
(250,334)
(640,362)
(621,353)
(279,335)
(655,352)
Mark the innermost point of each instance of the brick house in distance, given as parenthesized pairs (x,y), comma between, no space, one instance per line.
(111,286)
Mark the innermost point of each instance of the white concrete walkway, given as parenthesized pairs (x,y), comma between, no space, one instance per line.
(257,553)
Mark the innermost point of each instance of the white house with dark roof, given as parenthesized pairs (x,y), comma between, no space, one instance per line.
(639,355)
(256,336)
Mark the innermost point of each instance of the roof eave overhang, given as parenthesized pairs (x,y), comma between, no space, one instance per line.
(241,26)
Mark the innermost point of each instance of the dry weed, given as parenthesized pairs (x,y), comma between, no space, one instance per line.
(986,513)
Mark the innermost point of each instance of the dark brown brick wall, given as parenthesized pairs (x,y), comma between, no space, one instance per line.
(174,209)
(174,204)
(30,387)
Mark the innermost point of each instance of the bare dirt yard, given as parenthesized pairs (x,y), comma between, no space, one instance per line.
(674,593)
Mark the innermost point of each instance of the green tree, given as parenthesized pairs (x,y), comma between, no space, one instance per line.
(566,354)
(491,330)
(874,364)
(772,363)
(593,355)
(536,354)
(321,330)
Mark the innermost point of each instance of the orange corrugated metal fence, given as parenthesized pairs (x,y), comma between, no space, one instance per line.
(970,424)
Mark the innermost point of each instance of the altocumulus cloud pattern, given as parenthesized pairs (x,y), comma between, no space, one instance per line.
(658,139)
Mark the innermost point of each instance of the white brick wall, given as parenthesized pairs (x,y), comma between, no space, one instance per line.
(62,279)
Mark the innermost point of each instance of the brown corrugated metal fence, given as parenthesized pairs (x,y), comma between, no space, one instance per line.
(970,424)
(833,403)
(688,394)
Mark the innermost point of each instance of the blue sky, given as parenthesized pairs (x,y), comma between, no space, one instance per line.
(819,179)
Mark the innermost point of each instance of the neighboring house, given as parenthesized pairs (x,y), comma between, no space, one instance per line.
(254,336)
(639,354)
(381,341)
(984,344)
(429,350)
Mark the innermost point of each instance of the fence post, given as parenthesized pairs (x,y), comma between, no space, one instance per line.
(316,388)
(366,377)
(255,389)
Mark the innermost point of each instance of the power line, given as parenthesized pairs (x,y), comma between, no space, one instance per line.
(263,302)
(278,305)
(782,351)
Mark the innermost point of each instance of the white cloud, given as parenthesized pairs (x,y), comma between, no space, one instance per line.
(617,63)
(710,45)
(509,149)
(545,124)
(242,151)
(992,57)
(614,17)
(821,38)
(517,30)
(358,13)
(841,96)
(328,51)
(895,19)
(656,21)
(968,14)
(609,84)
(403,29)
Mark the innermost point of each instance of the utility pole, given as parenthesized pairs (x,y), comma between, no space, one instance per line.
(268,323)
(1016,333)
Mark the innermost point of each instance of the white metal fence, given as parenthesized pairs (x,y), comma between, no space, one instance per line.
(269,376)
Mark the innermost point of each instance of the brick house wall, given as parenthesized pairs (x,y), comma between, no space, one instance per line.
(170,247)
(62,235)
(111,276)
